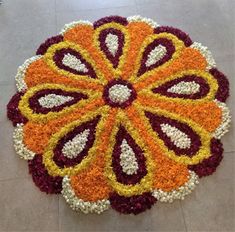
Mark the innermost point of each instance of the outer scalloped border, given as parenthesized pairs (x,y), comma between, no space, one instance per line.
(78,204)
(179,193)
(19,78)
(19,145)
(223,128)
(138,18)
(206,54)
(73,24)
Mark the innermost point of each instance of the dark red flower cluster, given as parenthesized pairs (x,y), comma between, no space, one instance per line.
(208,166)
(134,204)
(42,179)
(13,113)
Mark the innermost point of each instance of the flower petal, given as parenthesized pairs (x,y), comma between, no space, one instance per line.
(157,52)
(168,174)
(126,143)
(72,60)
(182,140)
(83,35)
(186,87)
(48,101)
(137,31)
(37,135)
(112,40)
(39,73)
(59,159)
(179,63)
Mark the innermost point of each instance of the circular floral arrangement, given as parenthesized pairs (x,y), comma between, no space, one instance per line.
(121,113)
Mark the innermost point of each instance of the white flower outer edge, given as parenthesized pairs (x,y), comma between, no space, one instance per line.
(179,193)
(20,83)
(74,24)
(78,204)
(19,146)
(226,120)
(138,18)
(206,54)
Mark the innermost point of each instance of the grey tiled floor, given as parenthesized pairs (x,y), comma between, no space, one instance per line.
(26,23)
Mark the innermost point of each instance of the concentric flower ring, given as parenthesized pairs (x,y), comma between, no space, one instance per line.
(119,113)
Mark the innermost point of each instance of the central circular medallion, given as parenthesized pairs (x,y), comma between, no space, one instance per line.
(119,93)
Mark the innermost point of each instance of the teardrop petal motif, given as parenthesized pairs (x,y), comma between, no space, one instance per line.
(176,135)
(187,87)
(73,147)
(128,160)
(53,100)
(111,42)
(72,61)
(155,54)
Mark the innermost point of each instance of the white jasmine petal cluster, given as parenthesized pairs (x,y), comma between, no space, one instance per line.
(73,62)
(226,120)
(185,87)
(74,24)
(20,83)
(178,193)
(155,55)
(53,100)
(78,204)
(179,138)
(138,18)
(19,146)
(128,159)
(111,42)
(206,53)
(74,147)
(119,93)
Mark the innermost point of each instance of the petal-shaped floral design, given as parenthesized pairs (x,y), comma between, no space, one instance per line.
(128,160)
(177,136)
(187,87)
(122,113)
(73,147)
(111,43)
(49,101)
(112,40)
(53,100)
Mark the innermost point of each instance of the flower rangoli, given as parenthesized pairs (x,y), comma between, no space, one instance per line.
(121,113)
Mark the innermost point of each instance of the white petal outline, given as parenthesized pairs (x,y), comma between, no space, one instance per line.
(19,78)
(78,204)
(206,54)
(223,128)
(138,18)
(74,24)
(19,145)
(180,192)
